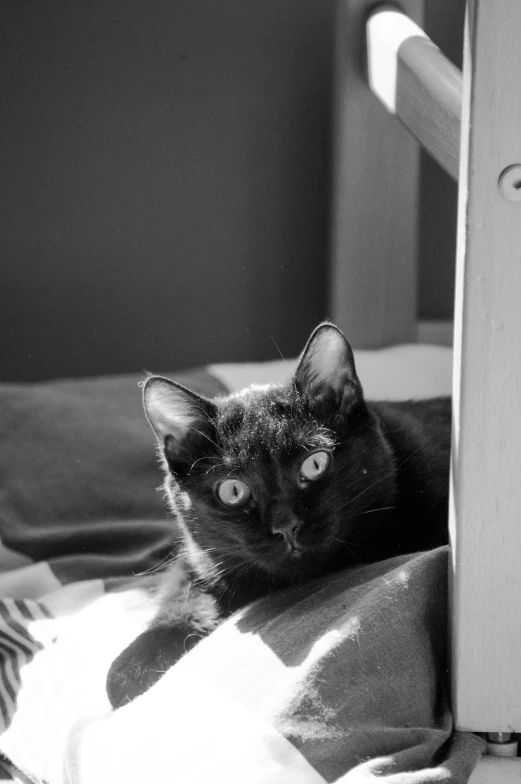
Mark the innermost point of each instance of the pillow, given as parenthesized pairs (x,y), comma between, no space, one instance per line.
(393,373)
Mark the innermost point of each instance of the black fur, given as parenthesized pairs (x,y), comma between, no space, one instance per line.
(385,493)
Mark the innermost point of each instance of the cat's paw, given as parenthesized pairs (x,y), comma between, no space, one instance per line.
(146,660)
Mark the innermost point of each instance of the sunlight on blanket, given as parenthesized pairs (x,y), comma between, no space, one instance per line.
(67,642)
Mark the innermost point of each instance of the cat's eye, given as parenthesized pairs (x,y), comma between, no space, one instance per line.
(314,466)
(233,492)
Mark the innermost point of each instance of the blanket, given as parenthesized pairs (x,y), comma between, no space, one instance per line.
(338,680)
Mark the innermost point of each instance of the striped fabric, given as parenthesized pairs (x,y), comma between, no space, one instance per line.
(17,648)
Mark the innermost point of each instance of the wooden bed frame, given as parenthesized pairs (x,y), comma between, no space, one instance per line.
(471,123)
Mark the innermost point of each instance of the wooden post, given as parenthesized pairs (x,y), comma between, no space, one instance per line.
(486,462)
(374,255)
(416,82)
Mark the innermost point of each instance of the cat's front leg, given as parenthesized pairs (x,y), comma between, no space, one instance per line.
(147,658)
(186,613)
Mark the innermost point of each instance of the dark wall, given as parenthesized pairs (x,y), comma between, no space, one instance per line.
(164,181)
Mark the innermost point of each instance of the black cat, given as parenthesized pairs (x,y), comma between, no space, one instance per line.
(278,484)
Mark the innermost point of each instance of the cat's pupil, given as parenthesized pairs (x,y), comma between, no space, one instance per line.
(233,492)
(315,465)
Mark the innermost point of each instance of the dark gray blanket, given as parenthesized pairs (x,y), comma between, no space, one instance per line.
(355,664)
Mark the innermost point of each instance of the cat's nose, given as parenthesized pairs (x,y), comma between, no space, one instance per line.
(287,528)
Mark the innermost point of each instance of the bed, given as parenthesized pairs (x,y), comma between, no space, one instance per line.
(355,666)
(359,665)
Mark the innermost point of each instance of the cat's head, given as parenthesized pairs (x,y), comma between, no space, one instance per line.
(282,479)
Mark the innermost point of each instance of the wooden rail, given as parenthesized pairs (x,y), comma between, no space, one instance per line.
(415,81)
(375,198)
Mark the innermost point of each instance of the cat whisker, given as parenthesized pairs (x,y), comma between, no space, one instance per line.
(236,567)
(239,576)
(221,570)
(345,544)
(241,568)
(217,465)
(381,478)
(369,487)
(278,349)
(222,550)
(164,562)
(221,558)
(350,545)
(220,579)
(199,432)
(205,457)
(370,511)
(407,458)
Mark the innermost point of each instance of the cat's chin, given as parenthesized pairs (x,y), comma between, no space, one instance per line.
(307,562)
(295,564)
(279,563)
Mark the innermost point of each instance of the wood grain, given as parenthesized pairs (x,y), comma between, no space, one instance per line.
(428,100)
(415,81)
(374,257)
(486,463)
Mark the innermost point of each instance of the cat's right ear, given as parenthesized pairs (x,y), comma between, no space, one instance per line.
(326,372)
(179,417)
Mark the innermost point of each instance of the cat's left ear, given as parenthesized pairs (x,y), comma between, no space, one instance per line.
(326,369)
(181,420)
(173,410)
